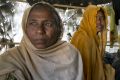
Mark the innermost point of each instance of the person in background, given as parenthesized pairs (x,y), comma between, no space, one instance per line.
(41,55)
(90,40)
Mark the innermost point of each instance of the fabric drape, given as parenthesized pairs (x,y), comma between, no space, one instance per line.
(60,61)
(113,26)
(92,46)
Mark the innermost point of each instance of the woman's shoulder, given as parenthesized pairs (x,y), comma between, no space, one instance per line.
(10,54)
(70,48)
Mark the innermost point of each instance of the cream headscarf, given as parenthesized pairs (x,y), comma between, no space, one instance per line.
(60,61)
(92,46)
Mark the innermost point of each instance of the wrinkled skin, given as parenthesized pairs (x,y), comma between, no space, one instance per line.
(41,29)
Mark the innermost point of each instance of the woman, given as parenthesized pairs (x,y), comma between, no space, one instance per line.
(41,54)
(90,39)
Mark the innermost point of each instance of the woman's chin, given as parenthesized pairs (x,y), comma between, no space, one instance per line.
(40,46)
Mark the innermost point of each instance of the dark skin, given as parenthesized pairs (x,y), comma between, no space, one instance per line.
(41,28)
(100,21)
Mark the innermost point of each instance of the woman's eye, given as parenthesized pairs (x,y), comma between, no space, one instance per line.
(33,23)
(48,24)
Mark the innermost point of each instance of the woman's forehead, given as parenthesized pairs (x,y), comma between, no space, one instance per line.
(100,14)
(40,14)
(42,10)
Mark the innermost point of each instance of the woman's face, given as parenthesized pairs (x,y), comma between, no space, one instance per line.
(40,29)
(100,21)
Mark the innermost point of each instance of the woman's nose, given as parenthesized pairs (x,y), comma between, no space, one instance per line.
(99,21)
(40,29)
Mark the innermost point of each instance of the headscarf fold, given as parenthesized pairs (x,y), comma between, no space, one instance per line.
(113,27)
(92,46)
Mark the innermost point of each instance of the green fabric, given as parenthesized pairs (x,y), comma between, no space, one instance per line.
(113,27)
